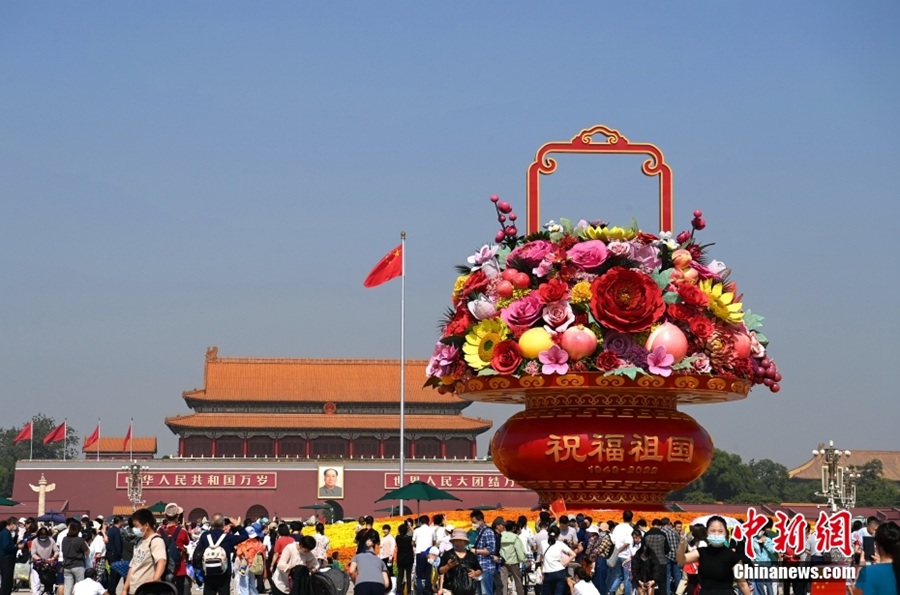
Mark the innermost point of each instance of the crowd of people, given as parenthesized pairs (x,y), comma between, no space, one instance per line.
(568,555)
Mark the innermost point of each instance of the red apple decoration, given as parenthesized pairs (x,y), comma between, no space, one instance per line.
(521,281)
(670,338)
(741,345)
(578,342)
(505,289)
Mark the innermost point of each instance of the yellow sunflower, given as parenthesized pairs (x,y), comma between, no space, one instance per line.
(610,233)
(720,301)
(481,340)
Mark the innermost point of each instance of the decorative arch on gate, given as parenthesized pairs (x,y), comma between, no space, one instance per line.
(257,511)
(197,515)
(337,511)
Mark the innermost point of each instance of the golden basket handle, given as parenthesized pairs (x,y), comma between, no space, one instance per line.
(583,142)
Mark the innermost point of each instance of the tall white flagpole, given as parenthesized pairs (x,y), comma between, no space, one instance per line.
(131,440)
(65,437)
(31,455)
(402,359)
(98,439)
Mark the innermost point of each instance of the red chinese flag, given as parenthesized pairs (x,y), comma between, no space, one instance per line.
(25,434)
(93,438)
(558,507)
(127,440)
(387,268)
(58,434)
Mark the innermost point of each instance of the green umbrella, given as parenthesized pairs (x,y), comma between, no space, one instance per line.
(485,507)
(158,508)
(316,507)
(7,502)
(418,491)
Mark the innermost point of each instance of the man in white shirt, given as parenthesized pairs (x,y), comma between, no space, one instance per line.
(423,540)
(567,532)
(89,586)
(621,538)
(387,549)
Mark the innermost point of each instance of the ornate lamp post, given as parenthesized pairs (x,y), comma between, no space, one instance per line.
(135,483)
(849,489)
(832,476)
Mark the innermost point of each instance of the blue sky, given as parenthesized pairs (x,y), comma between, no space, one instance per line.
(178,175)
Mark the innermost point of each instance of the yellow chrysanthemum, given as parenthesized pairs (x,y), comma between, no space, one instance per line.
(581,293)
(480,342)
(610,233)
(720,301)
(460,283)
(517,295)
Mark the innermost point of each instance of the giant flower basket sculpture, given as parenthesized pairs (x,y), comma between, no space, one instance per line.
(600,331)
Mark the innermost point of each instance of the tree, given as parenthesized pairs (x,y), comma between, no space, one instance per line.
(872,488)
(10,453)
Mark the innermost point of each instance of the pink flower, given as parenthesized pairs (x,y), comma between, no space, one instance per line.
(617,248)
(531,253)
(660,362)
(558,316)
(588,256)
(443,359)
(555,360)
(532,368)
(523,313)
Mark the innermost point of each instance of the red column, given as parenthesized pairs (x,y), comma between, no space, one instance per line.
(213,447)
(244,449)
(181,446)
(443,449)
(306,448)
(412,449)
(350,448)
(277,453)
(381,448)
(473,452)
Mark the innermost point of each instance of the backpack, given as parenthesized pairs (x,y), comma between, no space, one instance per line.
(173,553)
(215,558)
(258,565)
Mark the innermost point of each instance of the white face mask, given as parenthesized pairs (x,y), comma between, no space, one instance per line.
(138,532)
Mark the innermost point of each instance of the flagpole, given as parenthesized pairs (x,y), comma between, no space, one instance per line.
(402,358)
(65,436)
(31,454)
(131,440)
(98,439)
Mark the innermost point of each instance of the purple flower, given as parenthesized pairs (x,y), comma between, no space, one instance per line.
(443,358)
(482,307)
(524,312)
(660,362)
(647,257)
(486,260)
(618,343)
(531,253)
(588,256)
(701,364)
(555,360)
(637,355)
(558,316)
(619,248)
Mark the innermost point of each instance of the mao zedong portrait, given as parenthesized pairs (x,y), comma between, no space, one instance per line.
(332,483)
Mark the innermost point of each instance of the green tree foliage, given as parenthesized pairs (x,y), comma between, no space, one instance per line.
(10,453)
(872,489)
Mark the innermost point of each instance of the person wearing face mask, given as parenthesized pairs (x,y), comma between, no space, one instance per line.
(149,561)
(716,561)
(459,566)
(44,554)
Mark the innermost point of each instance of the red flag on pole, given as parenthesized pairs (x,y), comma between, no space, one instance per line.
(127,441)
(558,507)
(25,434)
(389,267)
(58,434)
(93,438)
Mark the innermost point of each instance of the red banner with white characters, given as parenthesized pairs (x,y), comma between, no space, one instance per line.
(203,480)
(455,481)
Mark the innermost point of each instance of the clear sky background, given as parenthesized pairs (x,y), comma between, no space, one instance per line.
(175,175)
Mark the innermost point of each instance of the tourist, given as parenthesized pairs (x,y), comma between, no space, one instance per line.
(177,535)
(406,557)
(44,554)
(297,562)
(74,550)
(485,547)
(717,562)
(763,555)
(673,571)
(369,573)
(554,560)
(90,585)
(567,533)
(114,551)
(498,526)
(882,577)
(580,583)
(8,550)
(513,556)
(459,567)
(540,538)
(690,582)
(658,542)
(365,534)
(225,535)
(388,549)
(322,544)
(621,538)
(248,565)
(284,539)
(149,562)
(864,539)
(646,570)
(440,532)
(423,540)
(599,547)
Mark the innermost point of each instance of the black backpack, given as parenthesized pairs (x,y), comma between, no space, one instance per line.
(173,552)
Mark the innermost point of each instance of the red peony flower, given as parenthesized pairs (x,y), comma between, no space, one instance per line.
(742,368)
(702,327)
(581,318)
(567,242)
(607,360)
(553,291)
(477,282)
(680,312)
(646,238)
(692,295)
(626,300)
(507,357)
(460,322)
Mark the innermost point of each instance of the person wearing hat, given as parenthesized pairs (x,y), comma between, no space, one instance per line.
(598,549)
(179,536)
(459,566)
(246,553)
(369,573)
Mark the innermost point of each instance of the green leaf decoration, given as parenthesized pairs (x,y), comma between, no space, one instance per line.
(630,371)
(685,363)
(502,253)
(487,372)
(753,321)
(566,225)
(662,279)
(670,297)
(762,338)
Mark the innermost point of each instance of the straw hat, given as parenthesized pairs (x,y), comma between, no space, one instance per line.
(459,535)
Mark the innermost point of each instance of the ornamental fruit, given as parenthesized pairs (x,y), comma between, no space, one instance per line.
(579,342)
(505,289)
(521,281)
(534,341)
(742,345)
(669,337)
